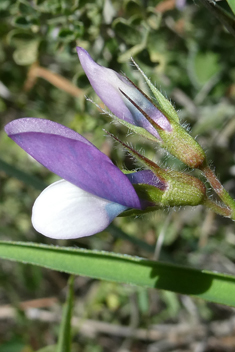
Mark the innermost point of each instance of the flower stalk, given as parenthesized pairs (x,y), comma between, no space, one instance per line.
(217,208)
(228,201)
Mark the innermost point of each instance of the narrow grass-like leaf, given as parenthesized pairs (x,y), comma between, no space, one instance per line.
(208,285)
(64,342)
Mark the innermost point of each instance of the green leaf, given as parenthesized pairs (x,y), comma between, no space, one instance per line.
(26,52)
(154,19)
(232,5)
(125,31)
(22,22)
(67,35)
(205,66)
(4,5)
(64,343)
(208,285)
(26,8)
(133,7)
(161,102)
(138,130)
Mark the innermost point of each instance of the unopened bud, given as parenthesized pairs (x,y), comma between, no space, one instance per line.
(174,188)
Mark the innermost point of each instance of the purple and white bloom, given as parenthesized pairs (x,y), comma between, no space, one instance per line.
(92,192)
(122,97)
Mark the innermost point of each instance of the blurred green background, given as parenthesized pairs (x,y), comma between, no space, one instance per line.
(189,56)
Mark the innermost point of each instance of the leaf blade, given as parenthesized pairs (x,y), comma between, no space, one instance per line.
(214,287)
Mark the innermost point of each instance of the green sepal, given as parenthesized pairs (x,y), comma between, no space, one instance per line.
(177,188)
(182,190)
(150,193)
(162,103)
(179,143)
(138,130)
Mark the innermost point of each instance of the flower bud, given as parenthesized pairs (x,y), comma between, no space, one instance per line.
(172,188)
(156,120)
(177,141)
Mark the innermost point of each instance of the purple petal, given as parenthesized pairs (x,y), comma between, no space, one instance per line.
(73,158)
(108,85)
(32,124)
(146,177)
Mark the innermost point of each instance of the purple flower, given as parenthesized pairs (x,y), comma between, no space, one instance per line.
(122,97)
(93,190)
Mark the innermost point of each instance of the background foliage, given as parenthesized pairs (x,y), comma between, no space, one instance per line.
(189,55)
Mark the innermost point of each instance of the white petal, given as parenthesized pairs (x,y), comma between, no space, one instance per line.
(64,211)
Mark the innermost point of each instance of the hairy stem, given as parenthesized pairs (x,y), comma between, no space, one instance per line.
(221,192)
(218,209)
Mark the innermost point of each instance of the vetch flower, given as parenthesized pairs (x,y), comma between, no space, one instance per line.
(93,190)
(117,92)
(134,108)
